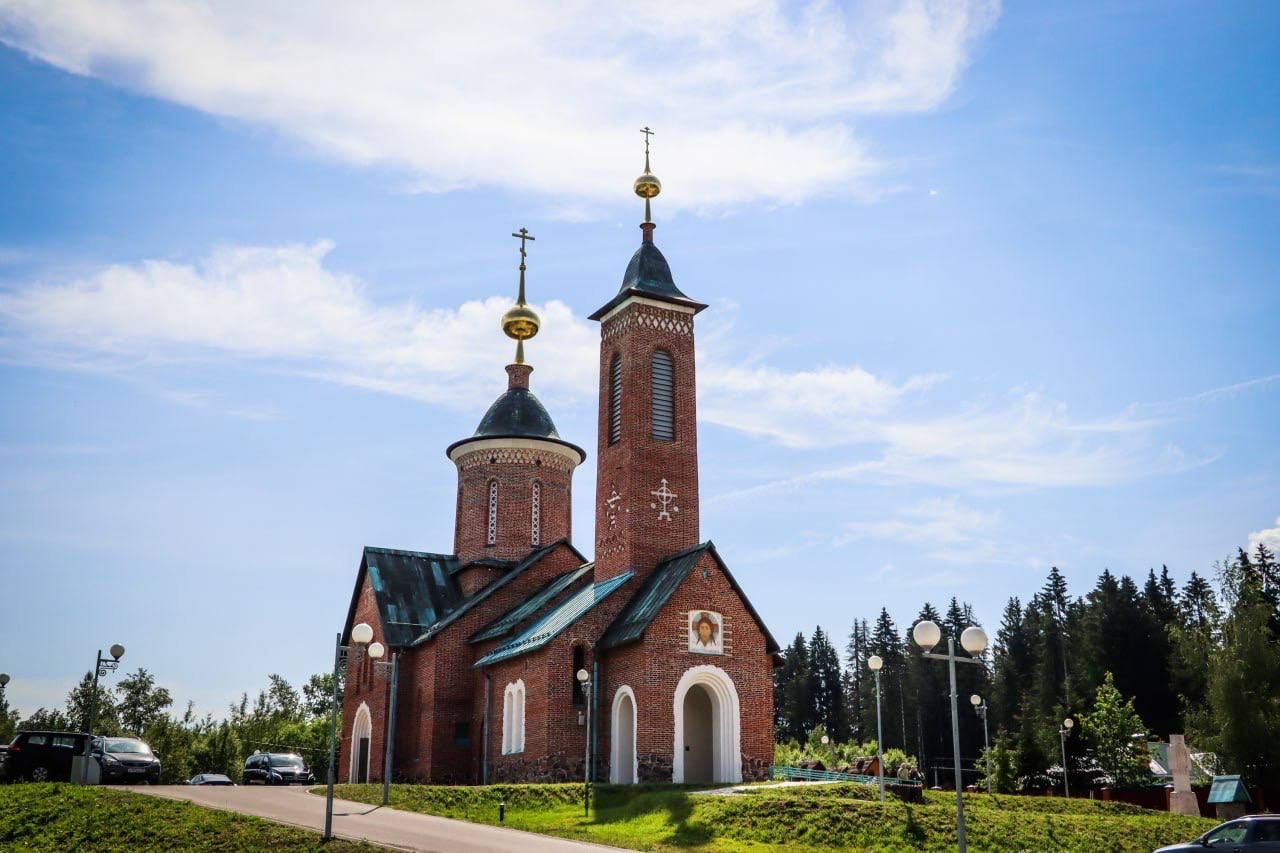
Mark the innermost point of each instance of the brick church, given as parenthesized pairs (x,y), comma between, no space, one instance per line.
(491,638)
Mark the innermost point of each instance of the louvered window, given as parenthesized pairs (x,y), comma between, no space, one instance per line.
(664,412)
(615,399)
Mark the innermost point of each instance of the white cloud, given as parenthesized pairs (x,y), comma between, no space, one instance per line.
(540,97)
(949,530)
(281,308)
(1269,537)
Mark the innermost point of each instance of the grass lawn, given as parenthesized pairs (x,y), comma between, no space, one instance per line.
(845,816)
(59,817)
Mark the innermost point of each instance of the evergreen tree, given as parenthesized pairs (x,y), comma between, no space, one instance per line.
(1198,605)
(793,693)
(885,643)
(1012,661)
(859,684)
(828,686)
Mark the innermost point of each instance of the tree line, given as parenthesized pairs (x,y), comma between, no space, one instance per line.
(1152,660)
(281,718)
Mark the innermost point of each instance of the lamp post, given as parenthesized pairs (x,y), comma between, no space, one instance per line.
(101,666)
(389,670)
(927,634)
(584,680)
(361,635)
(1062,735)
(981,708)
(875,663)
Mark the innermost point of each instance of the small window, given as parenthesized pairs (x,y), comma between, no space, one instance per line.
(37,740)
(64,741)
(492,535)
(535,533)
(615,399)
(663,385)
(579,662)
(462,733)
(513,718)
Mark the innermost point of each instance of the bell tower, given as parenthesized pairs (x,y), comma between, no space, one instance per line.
(647,469)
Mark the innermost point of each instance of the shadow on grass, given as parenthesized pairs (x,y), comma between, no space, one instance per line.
(675,807)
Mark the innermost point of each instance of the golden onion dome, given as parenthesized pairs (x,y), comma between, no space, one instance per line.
(520,322)
(648,186)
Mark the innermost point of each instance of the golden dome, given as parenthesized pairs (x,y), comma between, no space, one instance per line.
(520,322)
(647,185)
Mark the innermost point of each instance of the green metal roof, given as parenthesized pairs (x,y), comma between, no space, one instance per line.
(656,591)
(507,622)
(413,590)
(550,626)
(496,584)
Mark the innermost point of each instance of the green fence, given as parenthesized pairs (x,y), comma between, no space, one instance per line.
(803,774)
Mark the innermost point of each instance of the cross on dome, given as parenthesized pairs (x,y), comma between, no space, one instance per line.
(520,322)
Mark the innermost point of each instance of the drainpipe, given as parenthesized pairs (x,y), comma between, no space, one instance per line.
(484,736)
(595,714)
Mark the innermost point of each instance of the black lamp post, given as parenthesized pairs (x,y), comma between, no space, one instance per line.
(101,666)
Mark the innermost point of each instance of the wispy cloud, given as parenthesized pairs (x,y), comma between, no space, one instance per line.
(947,529)
(283,309)
(540,98)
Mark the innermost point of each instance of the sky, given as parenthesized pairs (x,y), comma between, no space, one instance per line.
(991,290)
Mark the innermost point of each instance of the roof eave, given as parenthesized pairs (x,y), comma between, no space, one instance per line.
(627,293)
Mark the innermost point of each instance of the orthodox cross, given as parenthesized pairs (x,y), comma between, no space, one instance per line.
(611,508)
(647,133)
(523,235)
(665,496)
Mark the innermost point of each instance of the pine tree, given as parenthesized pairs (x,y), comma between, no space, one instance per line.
(885,643)
(828,685)
(859,689)
(793,693)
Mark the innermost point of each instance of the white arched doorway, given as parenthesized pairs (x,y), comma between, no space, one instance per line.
(623,767)
(708,727)
(361,741)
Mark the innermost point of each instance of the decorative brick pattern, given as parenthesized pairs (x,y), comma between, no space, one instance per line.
(649,317)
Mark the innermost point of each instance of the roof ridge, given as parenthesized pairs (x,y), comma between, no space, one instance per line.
(403,552)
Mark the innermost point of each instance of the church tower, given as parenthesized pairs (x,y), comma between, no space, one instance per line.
(647,462)
(515,473)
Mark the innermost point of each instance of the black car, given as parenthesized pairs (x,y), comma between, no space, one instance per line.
(210,779)
(43,756)
(277,768)
(1255,832)
(125,759)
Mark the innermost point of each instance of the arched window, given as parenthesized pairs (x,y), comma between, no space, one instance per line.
(492,535)
(662,379)
(513,718)
(615,399)
(535,533)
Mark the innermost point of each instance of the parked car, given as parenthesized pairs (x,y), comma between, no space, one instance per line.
(1254,832)
(43,756)
(210,779)
(125,759)
(277,768)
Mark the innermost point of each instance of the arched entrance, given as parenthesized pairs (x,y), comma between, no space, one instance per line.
(361,736)
(708,728)
(622,738)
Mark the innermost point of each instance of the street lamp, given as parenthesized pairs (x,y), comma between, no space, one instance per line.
(927,634)
(1067,724)
(361,635)
(389,670)
(584,679)
(101,666)
(875,663)
(981,708)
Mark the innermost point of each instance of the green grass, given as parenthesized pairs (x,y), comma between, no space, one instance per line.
(69,817)
(762,819)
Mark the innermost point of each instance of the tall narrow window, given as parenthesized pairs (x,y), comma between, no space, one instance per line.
(615,399)
(492,536)
(663,385)
(535,533)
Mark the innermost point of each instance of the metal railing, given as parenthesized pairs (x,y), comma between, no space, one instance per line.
(804,774)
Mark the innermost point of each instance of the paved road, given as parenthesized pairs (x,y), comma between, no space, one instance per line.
(363,822)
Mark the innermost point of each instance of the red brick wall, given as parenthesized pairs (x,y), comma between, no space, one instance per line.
(362,684)
(630,534)
(653,667)
(515,471)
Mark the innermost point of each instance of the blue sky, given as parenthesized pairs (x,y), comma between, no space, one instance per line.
(991,290)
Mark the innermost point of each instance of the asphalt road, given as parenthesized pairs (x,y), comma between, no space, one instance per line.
(363,822)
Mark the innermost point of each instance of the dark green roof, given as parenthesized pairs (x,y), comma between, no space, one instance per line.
(507,622)
(496,584)
(648,274)
(656,591)
(556,621)
(413,589)
(518,414)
